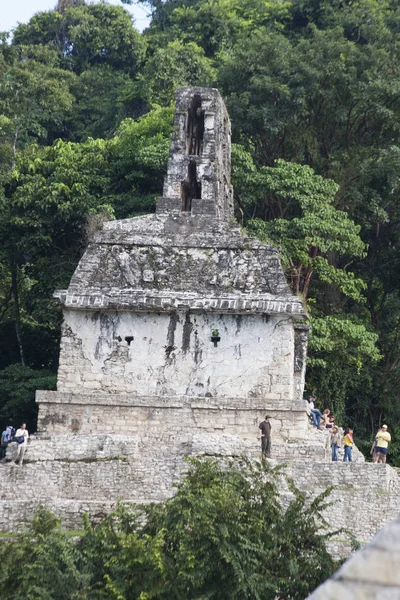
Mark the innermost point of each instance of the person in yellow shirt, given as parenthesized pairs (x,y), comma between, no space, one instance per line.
(382,440)
(348,445)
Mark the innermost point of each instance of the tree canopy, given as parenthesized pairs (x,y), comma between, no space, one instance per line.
(312,89)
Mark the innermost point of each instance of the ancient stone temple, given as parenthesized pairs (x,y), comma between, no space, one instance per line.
(180,334)
(175,324)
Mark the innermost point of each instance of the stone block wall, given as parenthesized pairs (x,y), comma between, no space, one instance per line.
(75,473)
(370,574)
(178,421)
(215,270)
(167,355)
(365,497)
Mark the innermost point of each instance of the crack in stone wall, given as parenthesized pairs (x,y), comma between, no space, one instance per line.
(174,354)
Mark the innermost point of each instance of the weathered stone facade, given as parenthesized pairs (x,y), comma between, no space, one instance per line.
(179,312)
(179,335)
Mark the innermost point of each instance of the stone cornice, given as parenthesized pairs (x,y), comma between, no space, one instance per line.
(152,301)
(176,402)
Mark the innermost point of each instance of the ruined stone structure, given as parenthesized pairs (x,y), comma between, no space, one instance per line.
(176,319)
(179,335)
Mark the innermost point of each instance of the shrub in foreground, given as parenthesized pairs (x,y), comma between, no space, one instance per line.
(224,535)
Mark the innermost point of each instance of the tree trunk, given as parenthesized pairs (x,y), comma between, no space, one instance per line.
(313,251)
(17,315)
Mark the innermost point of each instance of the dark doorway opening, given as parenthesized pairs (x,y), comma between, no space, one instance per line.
(195,127)
(191,188)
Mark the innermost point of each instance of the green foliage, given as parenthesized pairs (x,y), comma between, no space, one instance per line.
(17,394)
(139,156)
(42,564)
(214,25)
(315,242)
(225,534)
(222,536)
(312,90)
(91,118)
(339,351)
(87,35)
(35,95)
(177,64)
(57,185)
(315,230)
(342,336)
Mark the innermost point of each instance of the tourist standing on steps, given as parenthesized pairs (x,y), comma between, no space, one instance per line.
(348,445)
(373,447)
(265,427)
(383,438)
(21,437)
(6,437)
(335,443)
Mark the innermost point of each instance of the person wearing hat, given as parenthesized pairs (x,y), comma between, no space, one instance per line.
(265,427)
(382,440)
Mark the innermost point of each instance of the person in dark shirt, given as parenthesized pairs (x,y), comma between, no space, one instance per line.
(265,427)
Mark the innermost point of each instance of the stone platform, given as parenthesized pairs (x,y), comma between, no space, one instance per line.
(74,474)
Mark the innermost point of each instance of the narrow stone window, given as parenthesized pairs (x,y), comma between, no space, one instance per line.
(129,339)
(195,127)
(191,188)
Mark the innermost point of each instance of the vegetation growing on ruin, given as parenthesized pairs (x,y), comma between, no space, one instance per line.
(223,536)
(312,89)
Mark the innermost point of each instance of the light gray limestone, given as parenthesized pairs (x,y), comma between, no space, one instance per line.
(95,471)
(180,304)
(372,573)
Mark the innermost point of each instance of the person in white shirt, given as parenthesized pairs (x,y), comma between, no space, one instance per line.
(21,437)
(314,413)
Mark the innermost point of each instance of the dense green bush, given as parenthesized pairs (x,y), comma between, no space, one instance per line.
(223,536)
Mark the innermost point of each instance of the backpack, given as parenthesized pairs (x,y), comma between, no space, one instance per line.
(20,440)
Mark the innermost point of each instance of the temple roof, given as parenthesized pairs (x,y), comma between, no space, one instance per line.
(191,253)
